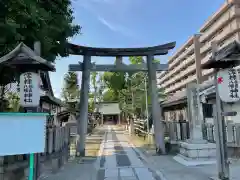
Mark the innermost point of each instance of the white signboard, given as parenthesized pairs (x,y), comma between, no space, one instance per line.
(29,89)
(228,85)
(22,133)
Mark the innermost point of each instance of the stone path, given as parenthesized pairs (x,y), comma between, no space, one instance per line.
(119,161)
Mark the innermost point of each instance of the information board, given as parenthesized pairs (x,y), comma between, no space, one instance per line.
(22,133)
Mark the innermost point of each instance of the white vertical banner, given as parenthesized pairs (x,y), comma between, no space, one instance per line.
(29,89)
(228,85)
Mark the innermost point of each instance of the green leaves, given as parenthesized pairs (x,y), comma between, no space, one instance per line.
(70,90)
(129,89)
(46,21)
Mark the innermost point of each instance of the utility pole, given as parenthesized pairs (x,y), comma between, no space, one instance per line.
(146,100)
(220,132)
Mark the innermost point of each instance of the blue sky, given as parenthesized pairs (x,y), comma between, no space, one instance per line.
(133,23)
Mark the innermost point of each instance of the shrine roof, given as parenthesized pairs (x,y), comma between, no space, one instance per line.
(181,96)
(25,57)
(98,51)
(226,56)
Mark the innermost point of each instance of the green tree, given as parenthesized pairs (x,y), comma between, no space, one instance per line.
(47,21)
(70,91)
(109,96)
(129,88)
(13,102)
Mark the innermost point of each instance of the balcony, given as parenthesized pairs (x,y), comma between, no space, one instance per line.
(181,56)
(185,63)
(206,58)
(181,84)
(225,34)
(182,74)
(218,24)
(206,72)
(161,74)
(170,72)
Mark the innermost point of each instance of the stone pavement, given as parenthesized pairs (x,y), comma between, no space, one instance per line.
(172,170)
(117,160)
(168,169)
(78,168)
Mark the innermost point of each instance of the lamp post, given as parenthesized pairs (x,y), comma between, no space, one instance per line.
(146,101)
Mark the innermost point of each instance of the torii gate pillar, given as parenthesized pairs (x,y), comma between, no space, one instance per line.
(83,117)
(155,109)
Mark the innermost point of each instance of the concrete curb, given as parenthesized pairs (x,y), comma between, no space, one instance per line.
(100,152)
(149,162)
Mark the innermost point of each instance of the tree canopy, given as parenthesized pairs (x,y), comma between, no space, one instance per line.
(129,88)
(47,21)
(70,91)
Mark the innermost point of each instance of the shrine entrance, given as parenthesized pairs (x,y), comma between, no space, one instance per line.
(86,66)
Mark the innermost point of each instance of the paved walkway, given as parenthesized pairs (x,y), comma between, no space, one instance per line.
(168,169)
(172,170)
(119,161)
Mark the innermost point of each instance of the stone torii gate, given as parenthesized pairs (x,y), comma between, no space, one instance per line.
(86,66)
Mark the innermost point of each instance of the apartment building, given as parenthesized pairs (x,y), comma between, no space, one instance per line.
(185,65)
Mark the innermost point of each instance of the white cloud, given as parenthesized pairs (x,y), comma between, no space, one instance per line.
(107,10)
(106,23)
(117,28)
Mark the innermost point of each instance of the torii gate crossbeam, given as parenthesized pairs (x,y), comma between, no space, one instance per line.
(87,66)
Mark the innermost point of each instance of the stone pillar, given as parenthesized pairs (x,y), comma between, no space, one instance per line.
(195,114)
(195,151)
(155,108)
(197,53)
(119,61)
(83,117)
